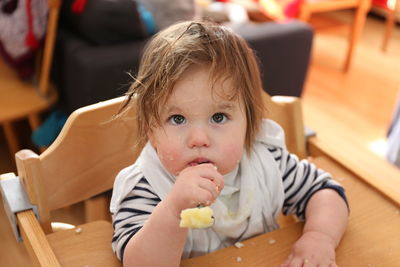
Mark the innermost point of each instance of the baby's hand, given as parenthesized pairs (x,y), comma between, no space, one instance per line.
(200,184)
(311,250)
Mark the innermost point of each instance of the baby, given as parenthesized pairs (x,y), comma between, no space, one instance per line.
(199,113)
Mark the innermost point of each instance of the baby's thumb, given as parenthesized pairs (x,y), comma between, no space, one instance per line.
(287,261)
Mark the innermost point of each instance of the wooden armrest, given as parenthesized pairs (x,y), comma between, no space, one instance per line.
(372,169)
(35,240)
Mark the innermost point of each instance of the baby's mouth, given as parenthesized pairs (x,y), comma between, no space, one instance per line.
(199,161)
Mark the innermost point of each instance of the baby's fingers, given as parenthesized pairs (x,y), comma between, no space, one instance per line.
(297,262)
(300,262)
(211,187)
(203,198)
(287,261)
(210,172)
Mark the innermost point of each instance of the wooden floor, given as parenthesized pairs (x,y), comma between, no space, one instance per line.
(351,109)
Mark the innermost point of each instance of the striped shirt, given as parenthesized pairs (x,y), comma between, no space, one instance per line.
(301,179)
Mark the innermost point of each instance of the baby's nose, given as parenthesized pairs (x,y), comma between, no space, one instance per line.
(198,138)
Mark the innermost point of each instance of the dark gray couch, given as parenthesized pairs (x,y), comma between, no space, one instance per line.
(89,68)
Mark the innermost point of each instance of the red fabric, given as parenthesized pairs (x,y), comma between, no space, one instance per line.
(24,65)
(280,10)
(30,40)
(380,3)
(78,6)
(292,9)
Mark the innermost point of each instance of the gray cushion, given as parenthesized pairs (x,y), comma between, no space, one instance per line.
(106,21)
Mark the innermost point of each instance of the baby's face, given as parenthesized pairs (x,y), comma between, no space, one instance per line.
(198,126)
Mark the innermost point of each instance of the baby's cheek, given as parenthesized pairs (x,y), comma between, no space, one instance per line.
(170,160)
(235,148)
(235,155)
(232,157)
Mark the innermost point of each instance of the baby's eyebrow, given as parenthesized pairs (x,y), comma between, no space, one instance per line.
(226,106)
(173,109)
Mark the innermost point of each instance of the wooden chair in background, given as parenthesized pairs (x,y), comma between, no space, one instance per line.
(23,100)
(83,162)
(390,8)
(257,12)
(309,7)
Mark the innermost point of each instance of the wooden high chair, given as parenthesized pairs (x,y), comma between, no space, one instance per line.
(20,100)
(308,7)
(83,162)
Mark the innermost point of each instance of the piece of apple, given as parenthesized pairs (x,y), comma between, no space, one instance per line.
(199,217)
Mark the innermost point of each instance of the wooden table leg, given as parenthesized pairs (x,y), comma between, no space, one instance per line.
(357,27)
(11,138)
(34,121)
(390,20)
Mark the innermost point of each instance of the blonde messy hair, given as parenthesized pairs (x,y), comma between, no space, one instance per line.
(172,51)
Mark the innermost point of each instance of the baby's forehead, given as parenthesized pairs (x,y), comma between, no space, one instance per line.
(200,83)
(217,100)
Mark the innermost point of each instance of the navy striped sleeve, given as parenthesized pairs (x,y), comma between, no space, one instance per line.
(131,215)
(301,179)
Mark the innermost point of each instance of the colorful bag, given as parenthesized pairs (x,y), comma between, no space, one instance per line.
(22,29)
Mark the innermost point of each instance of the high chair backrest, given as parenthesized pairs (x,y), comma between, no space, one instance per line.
(83,161)
(93,147)
(287,112)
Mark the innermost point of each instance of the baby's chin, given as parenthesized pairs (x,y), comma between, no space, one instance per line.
(225,171)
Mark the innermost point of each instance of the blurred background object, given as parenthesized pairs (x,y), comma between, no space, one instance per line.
(389,9)
(25,91)
(393,137)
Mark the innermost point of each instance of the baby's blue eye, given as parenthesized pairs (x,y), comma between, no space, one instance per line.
(177,119)
(219,118)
